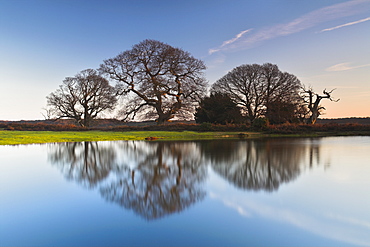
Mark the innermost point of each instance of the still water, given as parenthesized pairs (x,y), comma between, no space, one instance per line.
(304,191)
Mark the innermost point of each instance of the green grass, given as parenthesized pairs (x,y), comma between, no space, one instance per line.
(28,137)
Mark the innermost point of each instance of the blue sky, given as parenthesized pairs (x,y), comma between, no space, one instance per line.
(325,43)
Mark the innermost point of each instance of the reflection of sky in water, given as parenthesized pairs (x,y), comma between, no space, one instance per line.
(332,200)
(323,199)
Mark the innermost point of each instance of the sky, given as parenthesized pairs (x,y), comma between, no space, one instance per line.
(325,43)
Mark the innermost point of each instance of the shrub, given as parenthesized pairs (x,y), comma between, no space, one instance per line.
(260,124)
(206,127)
(218,108)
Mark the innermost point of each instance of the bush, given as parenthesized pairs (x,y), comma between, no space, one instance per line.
(218,108)
(260,124)
(206,126)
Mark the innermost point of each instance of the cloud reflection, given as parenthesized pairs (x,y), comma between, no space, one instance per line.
(330,226)
(157,179)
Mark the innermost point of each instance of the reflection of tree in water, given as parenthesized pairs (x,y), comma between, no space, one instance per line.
(151,178)
(85,162)
(164,178)
(261,164)
(155,179)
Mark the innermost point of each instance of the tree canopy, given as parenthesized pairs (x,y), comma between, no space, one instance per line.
(163,81)
(218,108)
(258,88)
(82,97)
(159,82)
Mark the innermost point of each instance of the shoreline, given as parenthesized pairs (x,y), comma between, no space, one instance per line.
(14,137)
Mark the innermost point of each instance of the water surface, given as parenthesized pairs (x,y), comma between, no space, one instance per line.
(301,191)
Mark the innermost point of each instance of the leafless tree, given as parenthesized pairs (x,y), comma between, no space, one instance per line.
(163,178)
(261,164)
(82,97)
(49,113)
(255,87)
(313,100)
(87,163)
(164,80)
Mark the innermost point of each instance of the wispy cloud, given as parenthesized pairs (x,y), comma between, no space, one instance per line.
(339,67)
(344,66)
(345,25)
(311,19)
(228,42)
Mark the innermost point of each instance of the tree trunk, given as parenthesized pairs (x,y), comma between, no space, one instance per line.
(313,117)
(314,106)
(162,118)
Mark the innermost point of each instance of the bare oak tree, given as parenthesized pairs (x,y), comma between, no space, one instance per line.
(164,81)
(313,100)
(256,87)
(82,97)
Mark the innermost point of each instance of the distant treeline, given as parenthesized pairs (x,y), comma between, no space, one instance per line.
(353,120)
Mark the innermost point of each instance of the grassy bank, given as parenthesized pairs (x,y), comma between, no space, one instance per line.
(27,137)
(40,133)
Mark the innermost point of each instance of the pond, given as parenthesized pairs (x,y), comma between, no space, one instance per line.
(269,192)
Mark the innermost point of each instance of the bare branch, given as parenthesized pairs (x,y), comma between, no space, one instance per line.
(83,97)
(313,103)
(159,75)
(259,88)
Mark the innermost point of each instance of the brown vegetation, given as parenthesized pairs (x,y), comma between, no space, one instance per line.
(331,128)
(114,125)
